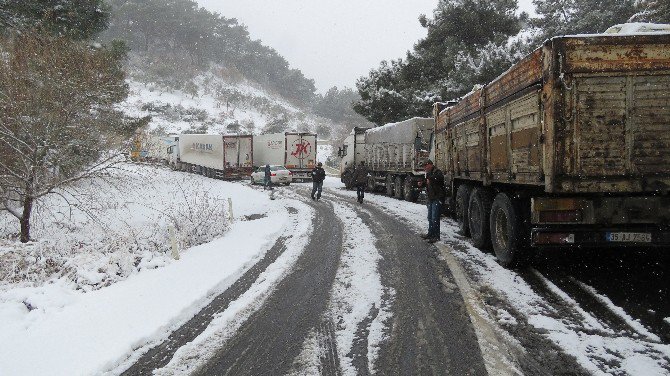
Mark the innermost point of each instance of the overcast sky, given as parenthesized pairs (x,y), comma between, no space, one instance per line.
(333,42)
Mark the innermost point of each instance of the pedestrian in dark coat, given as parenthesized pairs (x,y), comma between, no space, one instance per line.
(361,180)
(435,193)
(268,177)
(318,176)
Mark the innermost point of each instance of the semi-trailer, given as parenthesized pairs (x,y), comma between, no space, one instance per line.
(568,148)
(295,151)
(217,156)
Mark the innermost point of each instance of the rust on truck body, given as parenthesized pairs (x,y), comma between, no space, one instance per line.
(582,114)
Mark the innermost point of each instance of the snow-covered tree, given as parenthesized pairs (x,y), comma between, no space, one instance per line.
(467,43)
(656,11)
(561,17)
(57,118)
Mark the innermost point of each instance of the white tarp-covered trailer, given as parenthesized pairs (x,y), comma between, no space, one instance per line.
(404,132)
(399,147)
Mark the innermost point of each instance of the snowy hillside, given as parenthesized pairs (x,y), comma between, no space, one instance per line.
(216,105)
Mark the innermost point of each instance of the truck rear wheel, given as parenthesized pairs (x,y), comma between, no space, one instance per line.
(389,185)
(479,210)
(505,228)
(461,211)
(409,191)
(397,187)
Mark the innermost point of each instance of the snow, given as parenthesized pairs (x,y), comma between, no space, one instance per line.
(226,323)
(635,324)
(357,291)
(101,309)
(638,28)
(175,111)
(597,348)
(52,328)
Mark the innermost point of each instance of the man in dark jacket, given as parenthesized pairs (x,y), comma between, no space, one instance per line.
(318,176)
(435,194)
(268,177)
(361,180)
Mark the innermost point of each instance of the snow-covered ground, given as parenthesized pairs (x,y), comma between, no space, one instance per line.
(105,304)
(87,321)
(598,348)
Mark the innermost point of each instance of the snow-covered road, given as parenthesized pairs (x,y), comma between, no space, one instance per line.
(335,287)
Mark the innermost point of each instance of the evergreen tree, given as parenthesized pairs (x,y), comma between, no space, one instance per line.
(467,43)
(656,11)
(75,19)
(182,30)
(562,17)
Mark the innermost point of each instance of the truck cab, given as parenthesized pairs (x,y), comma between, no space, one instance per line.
(352,152)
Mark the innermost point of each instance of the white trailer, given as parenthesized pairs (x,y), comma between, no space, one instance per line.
(394,154)
(160,148)
(216,156)
(352,153)
(296,151)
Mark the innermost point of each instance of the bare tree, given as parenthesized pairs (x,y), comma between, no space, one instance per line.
(57,120)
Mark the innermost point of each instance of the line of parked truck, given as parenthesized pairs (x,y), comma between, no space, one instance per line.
(569,147)
(231,157)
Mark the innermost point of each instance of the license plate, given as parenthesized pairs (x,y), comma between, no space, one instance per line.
(629,237)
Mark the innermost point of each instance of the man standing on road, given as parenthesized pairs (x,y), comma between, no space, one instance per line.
(318,176)
(435,193)
(361,180)
(268,177)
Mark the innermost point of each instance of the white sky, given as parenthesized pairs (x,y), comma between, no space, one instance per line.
(333,42)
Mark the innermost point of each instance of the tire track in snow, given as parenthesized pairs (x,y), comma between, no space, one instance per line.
(271,338)
(430,331)
(358,305)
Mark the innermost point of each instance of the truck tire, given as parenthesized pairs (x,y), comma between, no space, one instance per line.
(479,210)
(505,227)
(461,210)
(389,185)
(411,194)
(252,180)
(397,187)
(372,184)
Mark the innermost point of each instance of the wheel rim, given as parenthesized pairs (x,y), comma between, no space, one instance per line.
(501,229)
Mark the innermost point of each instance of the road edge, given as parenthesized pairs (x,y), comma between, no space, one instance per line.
(499,357)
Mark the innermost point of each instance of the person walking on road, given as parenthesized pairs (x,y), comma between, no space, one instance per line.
(318,176)
(361,180)
(268,177)
(435,193)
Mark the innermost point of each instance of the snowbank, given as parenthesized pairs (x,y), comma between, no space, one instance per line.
(53,328)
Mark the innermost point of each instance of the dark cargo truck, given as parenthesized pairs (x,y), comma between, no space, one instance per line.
(569,147)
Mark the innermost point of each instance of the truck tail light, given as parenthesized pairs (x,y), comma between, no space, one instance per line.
(273,174)
(554,238)
(290,173)
(561,216)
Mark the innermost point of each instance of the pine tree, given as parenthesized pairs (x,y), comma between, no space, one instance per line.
(79,20)
(467,43)
(563,17)
(655,11)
